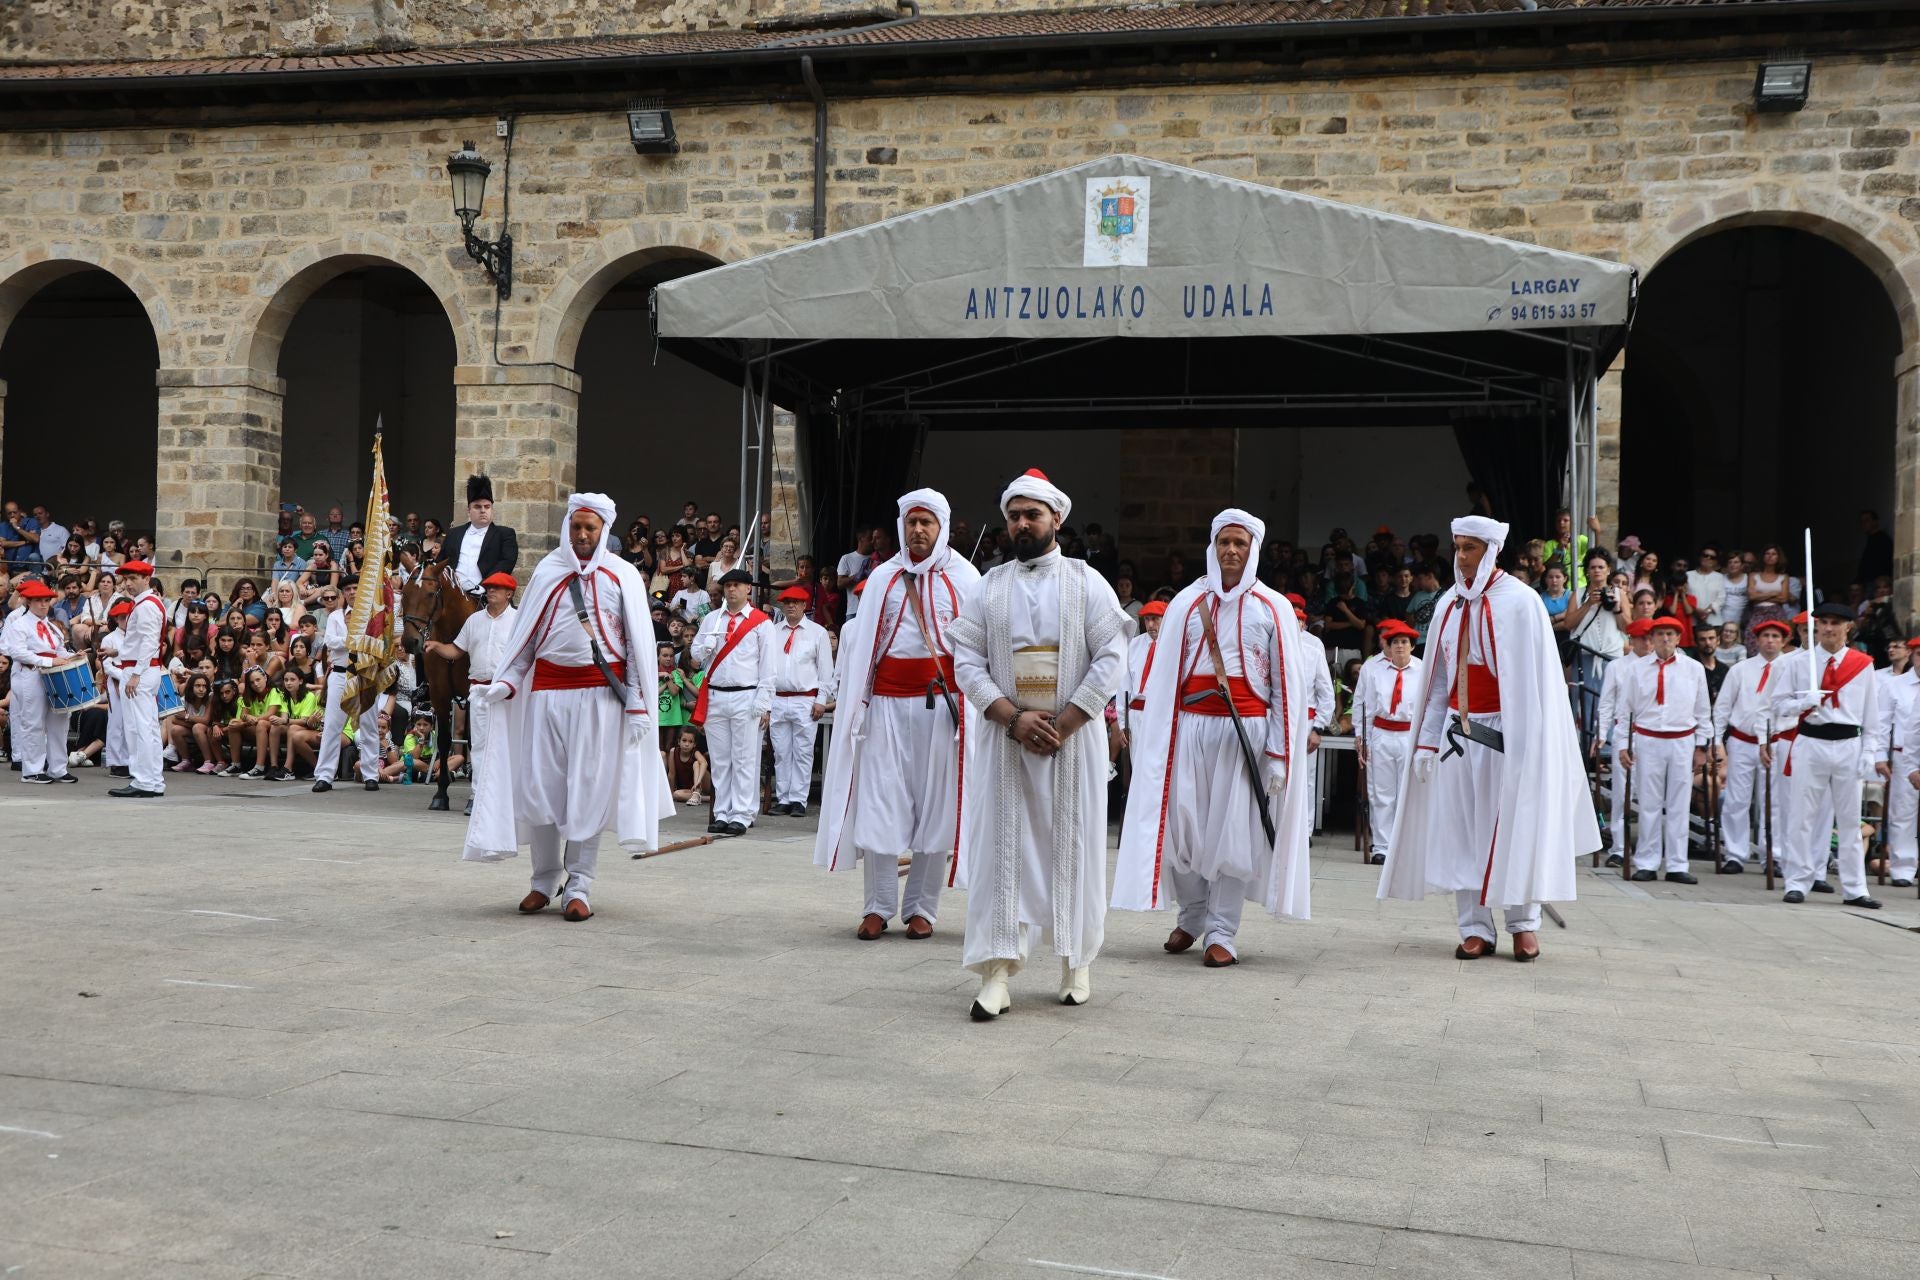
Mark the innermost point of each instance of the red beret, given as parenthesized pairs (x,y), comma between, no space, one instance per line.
(500,580)
(1154,609)
(137,566)
(1393,627)
(1297,600)
(1774,624)
(1640,627)
(1798,618)
(1666,622)
(119,608)
(1300,614)
(34,589)
(795,593)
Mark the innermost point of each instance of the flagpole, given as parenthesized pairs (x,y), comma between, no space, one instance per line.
(1813,661)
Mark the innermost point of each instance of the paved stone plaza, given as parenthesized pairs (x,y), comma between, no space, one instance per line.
(254,1032)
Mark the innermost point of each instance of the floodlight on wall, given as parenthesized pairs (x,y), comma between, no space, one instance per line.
(467,170)
(1782,86)
(650,126)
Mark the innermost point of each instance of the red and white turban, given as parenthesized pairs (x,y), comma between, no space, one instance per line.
(1034,484)
(934,502)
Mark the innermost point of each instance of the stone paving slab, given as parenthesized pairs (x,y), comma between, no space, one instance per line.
(313,1044)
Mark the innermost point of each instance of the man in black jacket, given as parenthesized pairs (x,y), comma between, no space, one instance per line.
(480,548)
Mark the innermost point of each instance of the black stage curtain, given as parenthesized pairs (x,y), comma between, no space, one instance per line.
(1521,463)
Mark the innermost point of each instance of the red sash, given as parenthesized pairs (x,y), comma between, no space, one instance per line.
(909,677)
(1245,700)
(752,618)
(554,675)
(1483,691)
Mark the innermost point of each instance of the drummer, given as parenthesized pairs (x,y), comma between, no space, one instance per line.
(33,641)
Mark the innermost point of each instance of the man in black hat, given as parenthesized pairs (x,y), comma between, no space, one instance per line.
(736,651)
(480,548)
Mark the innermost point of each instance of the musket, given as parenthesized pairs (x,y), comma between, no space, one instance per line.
(1590,765)
(1363,827)
(1886,809)
(1713,803)
(1766,799)
(1626,803)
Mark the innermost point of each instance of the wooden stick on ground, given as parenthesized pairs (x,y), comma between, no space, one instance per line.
(675,847)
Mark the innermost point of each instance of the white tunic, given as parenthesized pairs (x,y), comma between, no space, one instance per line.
(1385,691)
(1745,704)
(749,666)
(1667,698)
(1034,828)
(483,638)
(803,659)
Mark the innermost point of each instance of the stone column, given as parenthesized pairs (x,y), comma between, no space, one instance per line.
(519,424)
(1906,490)
(1607,445)
(217,481)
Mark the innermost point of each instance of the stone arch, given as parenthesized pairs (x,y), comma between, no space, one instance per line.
(1866,233)
(26,273)
(630,248)
(291,280)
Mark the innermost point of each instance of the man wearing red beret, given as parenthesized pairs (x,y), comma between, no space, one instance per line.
(1610,726)
(139,668)
(802,692)
(1672,724)
(1383,724)
(35,643)
(1743,716)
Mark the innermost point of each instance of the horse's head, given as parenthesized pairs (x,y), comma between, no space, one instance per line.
(419,597)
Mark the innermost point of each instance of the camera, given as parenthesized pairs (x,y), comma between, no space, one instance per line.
(1610,598)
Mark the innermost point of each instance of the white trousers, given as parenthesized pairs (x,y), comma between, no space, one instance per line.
(1903,811)
(1210,909)
(1826,782)
(733,748)
(570,861)
(1662,795)
(925,878)
(367,737)
(1742,830)
(794,731)
(1386,759)
(114,750)
(40,728)
(1476,921)
(1617,818)
(142,720)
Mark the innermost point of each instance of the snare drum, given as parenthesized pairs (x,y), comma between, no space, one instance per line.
(69,685)
(166,697)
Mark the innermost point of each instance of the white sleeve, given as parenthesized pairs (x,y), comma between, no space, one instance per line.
(1702,708)
(706,641)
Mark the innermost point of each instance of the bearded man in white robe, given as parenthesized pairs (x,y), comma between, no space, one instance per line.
(572,747)
(1494,807)
(892,783)
(1040,650)
(1202,775)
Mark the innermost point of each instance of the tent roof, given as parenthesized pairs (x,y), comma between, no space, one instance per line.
(1125,247)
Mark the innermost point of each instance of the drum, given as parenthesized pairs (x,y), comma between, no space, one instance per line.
(69,685)
(166,697)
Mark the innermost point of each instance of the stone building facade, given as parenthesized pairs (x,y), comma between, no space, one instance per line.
(224,198)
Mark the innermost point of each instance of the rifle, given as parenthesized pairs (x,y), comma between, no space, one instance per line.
(1713,803)
(1886,813)
(1626,819)
(1590,765)
(1363,809)
(1766,798)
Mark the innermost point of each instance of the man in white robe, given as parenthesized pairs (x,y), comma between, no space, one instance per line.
(802,692)
(1040,650)
(1899,697)
(1743,716)
(482,642)
(572,747)
(734,647)
(1495,808)
(1202,775)
(1383,727)
(1133,699)
(892,784)
(1320,700)
(1611,725)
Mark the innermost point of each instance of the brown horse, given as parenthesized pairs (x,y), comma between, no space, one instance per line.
(434,608)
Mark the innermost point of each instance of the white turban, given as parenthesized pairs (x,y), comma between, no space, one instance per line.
(925,500)
(601,505)
(1034,484)
(1491,532)
(1256,534)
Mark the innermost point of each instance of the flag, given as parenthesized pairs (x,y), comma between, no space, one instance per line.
(370,632)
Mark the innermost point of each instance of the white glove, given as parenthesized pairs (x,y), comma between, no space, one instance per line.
(43,662)
(491,692)
(1799,702)
(1424,763)
(1276,776)
(638,729)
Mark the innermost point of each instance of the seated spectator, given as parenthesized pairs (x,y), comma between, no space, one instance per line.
(300,660)
(290,565)
(687,771)
(308,537)
(251,726)
(226,709)
(286,599)
(190,730)
(276,633)
(297,719)
(321,575)
(829,605)
(112,556)
(1555,594)
(1730,651)
(228,661)
(246,598)
(75,560)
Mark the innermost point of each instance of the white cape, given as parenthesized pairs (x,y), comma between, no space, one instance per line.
(496,831)
(1546,817)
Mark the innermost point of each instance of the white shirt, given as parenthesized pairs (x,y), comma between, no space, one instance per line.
(1856,703)
(749,665)
(1373,692)
(27,640)
(333,638)
(483,638)
(53,540)
(140,644)
(1612,711)
(1709,592)
(466,570)
(1667,697)
(1897,697)
(688,602)
(849,567)
(802,659)
(1319,679)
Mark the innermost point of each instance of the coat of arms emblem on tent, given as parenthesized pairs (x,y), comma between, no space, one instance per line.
(1116,222)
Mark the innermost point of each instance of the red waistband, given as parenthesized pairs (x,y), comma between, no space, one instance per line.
(124,665)
(1245,701)
(1392,726)
(1786,736)
(1483,691)
(1669,734)
(909,677)
(794,693)
(551,675)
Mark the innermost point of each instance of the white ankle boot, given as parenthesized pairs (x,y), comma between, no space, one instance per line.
(1076,985)
(993,999)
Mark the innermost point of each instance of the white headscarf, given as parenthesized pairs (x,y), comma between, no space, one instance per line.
(1034,484)
(1491,532)
(929,500)
(601,505)
(1256,531)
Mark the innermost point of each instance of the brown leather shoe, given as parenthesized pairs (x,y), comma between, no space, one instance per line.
(578,910)
(1218,957)
(1473,948)
(871,927)
(1526,946)
(535,901)
(919,927)
(1177,941)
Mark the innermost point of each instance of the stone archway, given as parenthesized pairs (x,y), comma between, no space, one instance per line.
(80,341)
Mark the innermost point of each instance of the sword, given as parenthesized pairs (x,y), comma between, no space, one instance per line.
(1225,694)
(1472,732)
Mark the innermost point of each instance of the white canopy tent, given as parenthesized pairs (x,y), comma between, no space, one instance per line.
(1127,291)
